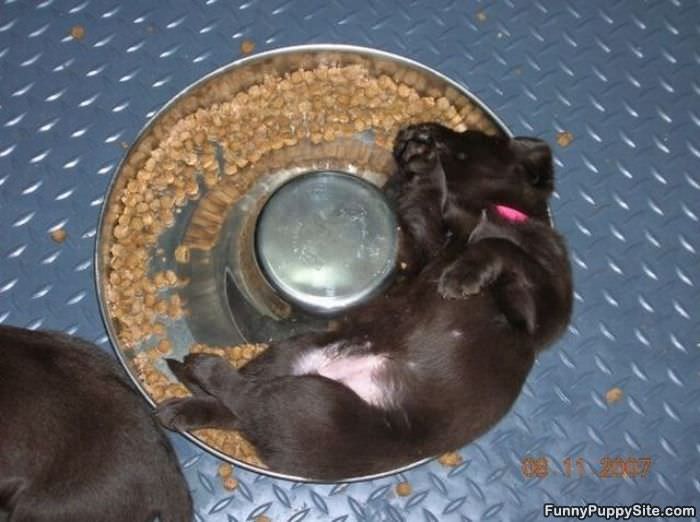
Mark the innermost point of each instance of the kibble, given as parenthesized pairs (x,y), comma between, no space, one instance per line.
(450,459)
(77,32)
(225,471)
(247,47)
(614,395)
(58,235)
(164,347)
(403,489)
(230,483)
(182,254)
(564,138)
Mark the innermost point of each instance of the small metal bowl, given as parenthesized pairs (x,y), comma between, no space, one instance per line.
(327,241)
(250,285)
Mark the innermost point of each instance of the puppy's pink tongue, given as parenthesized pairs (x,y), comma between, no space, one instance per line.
(510,214)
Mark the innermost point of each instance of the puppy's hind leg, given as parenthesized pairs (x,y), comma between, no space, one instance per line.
(199,411)
(305,425)
(179,370)
(318,428)
(211,374)
(191,413)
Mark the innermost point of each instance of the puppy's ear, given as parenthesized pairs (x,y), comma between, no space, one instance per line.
(484,228)
(518,305)
(536,157)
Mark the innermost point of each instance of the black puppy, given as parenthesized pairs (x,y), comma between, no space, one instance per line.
(77,443)
(433,363)
(446,179)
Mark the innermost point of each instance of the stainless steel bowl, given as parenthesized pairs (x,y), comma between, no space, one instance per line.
(327,241)
(244,289)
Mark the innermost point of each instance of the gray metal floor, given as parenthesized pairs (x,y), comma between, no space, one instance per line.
(622,77)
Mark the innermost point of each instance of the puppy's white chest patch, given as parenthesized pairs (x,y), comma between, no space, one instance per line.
(361,373)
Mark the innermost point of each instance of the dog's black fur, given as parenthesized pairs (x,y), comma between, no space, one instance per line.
(483,295)
(77,443)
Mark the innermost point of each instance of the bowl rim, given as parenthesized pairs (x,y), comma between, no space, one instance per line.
(99,271)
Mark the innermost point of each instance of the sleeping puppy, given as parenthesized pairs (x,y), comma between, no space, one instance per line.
(77,443)
(436,361)
(445,179)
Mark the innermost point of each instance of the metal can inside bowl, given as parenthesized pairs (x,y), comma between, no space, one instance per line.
(327,241)
(250,209)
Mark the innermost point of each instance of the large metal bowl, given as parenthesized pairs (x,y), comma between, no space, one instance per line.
(229,300)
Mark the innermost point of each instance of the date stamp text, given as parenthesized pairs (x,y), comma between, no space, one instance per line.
(609,467)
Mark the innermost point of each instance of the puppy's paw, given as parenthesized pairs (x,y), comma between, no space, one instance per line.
(196,412)
(178,414)
(202,365)
(211,373)
(415,149)
(458,282)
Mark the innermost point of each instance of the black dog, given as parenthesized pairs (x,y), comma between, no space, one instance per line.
(436,361)
(77,443)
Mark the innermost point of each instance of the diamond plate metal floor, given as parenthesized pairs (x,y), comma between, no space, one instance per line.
(622,77)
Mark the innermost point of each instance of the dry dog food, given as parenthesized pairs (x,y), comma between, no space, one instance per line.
(613,395)
(227,479)
(58,235)
(450,459)
(247,47)
(403,489)
(564,138)
(77,32)
(212,137)
(225,470)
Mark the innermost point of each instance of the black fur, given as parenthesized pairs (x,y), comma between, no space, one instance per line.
(481,297)
(77,443)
